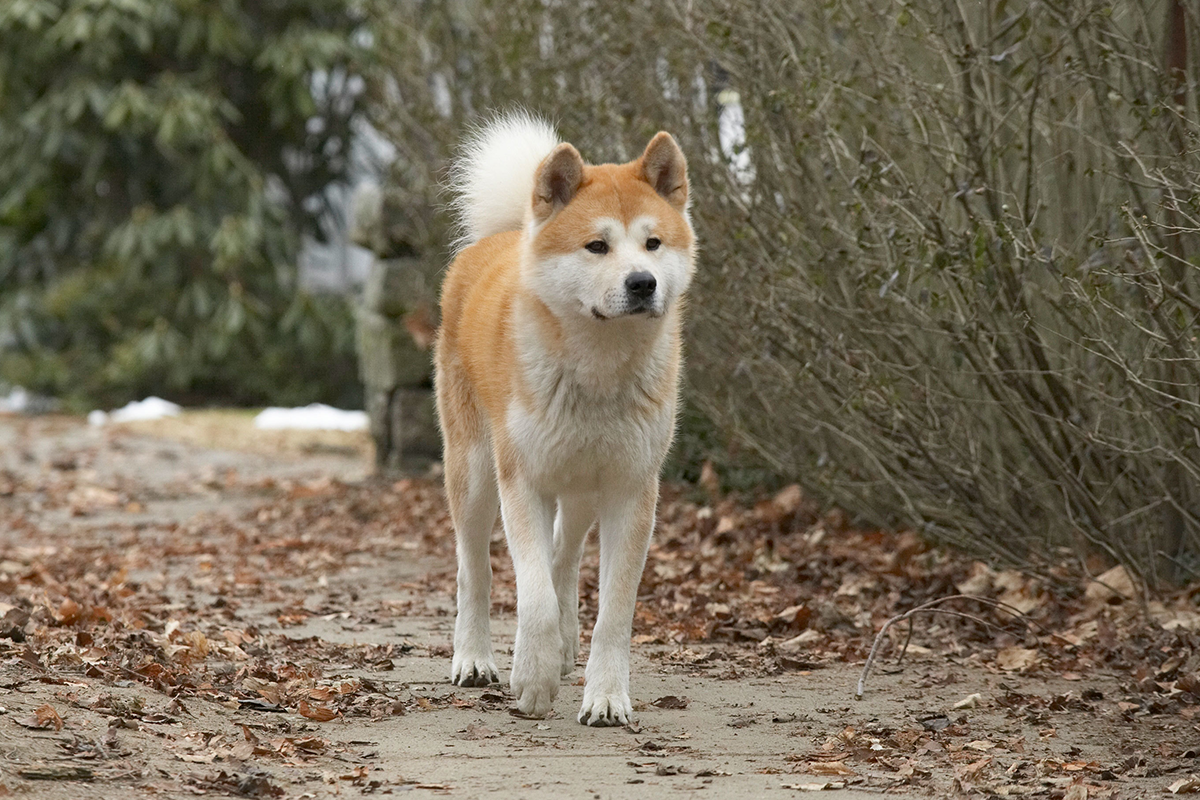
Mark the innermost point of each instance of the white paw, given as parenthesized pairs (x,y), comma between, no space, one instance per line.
(534,678)
(605,710)
(477,670)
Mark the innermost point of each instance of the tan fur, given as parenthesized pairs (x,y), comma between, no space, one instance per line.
(547,397)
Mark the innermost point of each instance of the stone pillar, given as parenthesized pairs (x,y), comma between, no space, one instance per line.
(395,333)
(394,357)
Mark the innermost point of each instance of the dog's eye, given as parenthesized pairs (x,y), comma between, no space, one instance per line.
(598,247)
(652,244)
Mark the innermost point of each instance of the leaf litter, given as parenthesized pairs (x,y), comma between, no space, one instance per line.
(735,588)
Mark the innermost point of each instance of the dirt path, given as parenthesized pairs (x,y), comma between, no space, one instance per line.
(181,621)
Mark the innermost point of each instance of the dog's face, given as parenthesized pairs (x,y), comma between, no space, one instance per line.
(611,241)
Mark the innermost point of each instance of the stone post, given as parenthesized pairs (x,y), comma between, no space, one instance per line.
(395,330)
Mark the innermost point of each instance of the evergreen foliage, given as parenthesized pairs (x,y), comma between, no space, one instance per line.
(159,161)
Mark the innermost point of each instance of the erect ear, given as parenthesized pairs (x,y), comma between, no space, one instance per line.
(665,168)
(557,180)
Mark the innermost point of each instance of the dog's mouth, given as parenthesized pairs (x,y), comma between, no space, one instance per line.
(640,309)
(633,312)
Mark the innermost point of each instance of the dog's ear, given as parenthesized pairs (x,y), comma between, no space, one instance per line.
(665,168)
(557,180)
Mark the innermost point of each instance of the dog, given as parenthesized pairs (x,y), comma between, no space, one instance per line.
(557,378)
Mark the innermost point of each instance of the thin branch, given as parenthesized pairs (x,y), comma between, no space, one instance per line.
(933,607)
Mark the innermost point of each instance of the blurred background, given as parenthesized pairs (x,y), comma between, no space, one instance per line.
(949,275)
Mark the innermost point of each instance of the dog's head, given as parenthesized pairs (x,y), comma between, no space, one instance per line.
(611,241)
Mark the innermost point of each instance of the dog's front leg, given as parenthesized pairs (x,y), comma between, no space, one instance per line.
(529,527)
(626,522)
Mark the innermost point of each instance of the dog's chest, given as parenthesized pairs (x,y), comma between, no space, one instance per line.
(576,437)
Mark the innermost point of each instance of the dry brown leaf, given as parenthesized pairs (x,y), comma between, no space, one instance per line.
(789,499)
(310,744)
(43,718)
(317,713)
(69,612)
(1016,659)
(829,768)
(671,702)
(972,771)
(1188,785)
(980,580)
(1112,586)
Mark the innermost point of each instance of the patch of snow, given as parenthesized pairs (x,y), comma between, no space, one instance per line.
(137,411)
(16,402)
(315,417)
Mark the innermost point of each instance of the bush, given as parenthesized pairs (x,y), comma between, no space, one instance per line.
(159,160)
(949,273)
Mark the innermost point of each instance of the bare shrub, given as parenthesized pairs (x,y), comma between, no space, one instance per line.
(949,273)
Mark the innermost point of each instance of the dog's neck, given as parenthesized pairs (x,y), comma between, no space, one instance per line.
(605,358)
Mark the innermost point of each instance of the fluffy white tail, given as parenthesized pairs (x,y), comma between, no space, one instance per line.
(492,179)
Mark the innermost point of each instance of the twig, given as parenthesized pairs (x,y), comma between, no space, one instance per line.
(932,606)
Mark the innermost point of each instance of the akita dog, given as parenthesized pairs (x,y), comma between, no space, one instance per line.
(557,375)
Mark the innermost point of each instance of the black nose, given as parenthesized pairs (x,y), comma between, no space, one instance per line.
(640,284)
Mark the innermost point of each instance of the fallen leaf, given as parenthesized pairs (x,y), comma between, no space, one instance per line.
(318,713)
(1016,659)
(829,768)
(797,642)
(1188,785)
(1112,586)
(789,499)
(671,702)
(69,612)
(309,744)
(979,582)
(43,718)
(972,771)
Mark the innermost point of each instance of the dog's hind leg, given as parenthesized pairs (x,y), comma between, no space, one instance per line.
(626,522)
(474,500)
(575,516)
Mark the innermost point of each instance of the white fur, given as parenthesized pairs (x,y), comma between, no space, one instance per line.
(493,177)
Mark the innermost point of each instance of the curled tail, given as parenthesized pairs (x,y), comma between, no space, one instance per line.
(492,179)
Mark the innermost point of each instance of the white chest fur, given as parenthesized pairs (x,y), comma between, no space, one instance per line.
(595,414)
